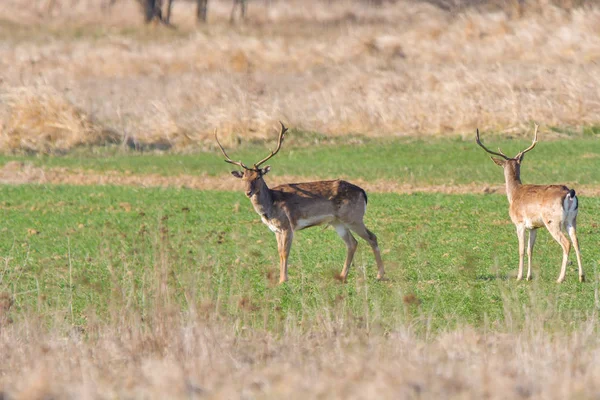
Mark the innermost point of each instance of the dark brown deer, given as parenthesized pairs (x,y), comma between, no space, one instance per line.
(535,206)
(291,207)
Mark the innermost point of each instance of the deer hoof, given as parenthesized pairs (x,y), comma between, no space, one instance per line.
(581,278)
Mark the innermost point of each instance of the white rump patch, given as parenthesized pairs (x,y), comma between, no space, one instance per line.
(569,210)
(570,204)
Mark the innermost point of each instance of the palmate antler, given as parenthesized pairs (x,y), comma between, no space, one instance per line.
(501,154)
(256,165)
(279,142)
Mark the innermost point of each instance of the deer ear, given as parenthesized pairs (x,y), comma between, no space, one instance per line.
(237,174)
(265,170)
(498,161)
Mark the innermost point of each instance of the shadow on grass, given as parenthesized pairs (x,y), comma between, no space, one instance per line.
(492,277)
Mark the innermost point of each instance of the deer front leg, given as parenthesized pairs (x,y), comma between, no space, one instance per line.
(284,244)
(521,237)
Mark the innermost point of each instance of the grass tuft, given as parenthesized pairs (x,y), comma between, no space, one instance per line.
(43,121)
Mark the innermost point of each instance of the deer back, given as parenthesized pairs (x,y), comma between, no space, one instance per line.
(536,203)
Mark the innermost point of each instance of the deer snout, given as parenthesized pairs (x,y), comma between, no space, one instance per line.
(249,193)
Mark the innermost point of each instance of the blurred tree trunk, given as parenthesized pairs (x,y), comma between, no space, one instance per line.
(243,12)
(168,14)
(242,4)
(151,9)
(201,10)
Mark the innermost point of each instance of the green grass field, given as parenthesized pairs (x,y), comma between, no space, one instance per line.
(450,259)
(176,289)
(404,160)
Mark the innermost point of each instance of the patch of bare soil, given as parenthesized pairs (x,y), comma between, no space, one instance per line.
(20,173)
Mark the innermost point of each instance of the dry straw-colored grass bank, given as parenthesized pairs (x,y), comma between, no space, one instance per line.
(198,355)
(401,68)
(42,120)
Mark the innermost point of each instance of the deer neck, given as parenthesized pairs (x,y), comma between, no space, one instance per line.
(513,182)
(263,201)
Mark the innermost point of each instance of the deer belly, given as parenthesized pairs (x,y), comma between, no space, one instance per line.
(302,223)
(533,223)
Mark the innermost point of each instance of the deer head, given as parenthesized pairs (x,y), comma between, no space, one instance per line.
(253,177)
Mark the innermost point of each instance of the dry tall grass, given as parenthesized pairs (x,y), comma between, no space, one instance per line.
(44,121)
(200,354)
(337,67)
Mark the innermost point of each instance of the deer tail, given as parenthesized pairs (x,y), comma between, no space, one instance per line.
(571,203)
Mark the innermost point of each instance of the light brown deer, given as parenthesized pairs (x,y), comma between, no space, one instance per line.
(535,206)
(291,207)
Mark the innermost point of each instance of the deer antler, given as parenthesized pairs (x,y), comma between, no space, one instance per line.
(227,159)
(279,142)
(532,144)
(501,154)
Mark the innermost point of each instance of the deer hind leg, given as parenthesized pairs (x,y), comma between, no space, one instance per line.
(554,227)
(351,244)
(531,243)
(521,236)
(572,230)
(284,244)
(362,231)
